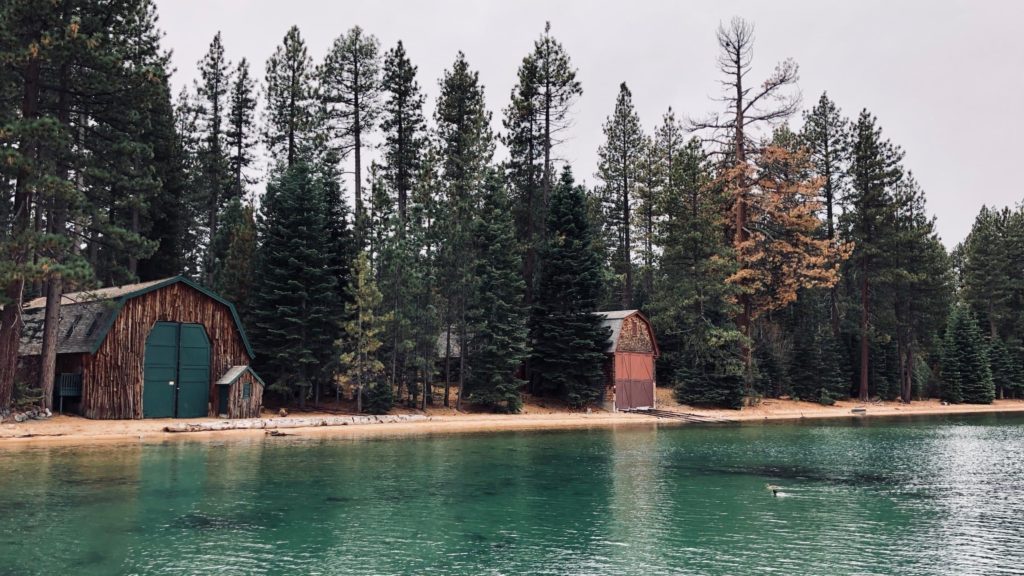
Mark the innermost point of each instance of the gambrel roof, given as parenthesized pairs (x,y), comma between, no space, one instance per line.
(87,316)
(614,319)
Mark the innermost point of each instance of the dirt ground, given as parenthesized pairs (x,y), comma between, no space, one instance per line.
(536,415)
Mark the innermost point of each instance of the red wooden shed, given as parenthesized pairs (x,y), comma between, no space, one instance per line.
(629,367)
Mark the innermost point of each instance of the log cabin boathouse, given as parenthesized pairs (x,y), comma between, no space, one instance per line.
(629,364)
(162,349)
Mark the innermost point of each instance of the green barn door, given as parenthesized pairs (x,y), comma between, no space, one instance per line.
(176,371)
(193,372)
(160,371)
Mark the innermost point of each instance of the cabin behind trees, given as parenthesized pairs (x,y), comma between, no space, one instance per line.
(629,363)
(162,349)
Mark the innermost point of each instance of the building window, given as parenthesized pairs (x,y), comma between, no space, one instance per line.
(246,390)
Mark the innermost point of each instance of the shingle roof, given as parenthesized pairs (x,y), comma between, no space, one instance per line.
(613,319)
(81,324)
(86,316)
(235,372)
(94,295)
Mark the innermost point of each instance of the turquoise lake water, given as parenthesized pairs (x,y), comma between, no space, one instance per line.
(908,497)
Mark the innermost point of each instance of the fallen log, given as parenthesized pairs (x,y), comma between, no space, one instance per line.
(274,423)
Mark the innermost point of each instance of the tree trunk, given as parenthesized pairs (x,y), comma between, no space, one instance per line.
(133,260)
(56,223)
(10,317)
(462,362)
(51,330)
(627,289)
(864,325)
(908,394)
(448,365)
(357,144)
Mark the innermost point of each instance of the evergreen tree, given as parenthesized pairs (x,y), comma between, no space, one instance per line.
(289,97)
(920,281)
(499,321)
(618,171)
(650,184)
(212,95)
(405,137)
(466,146)
(692,306)
(361,365)
(236,240)
(988,272)
(239,135)
(567,337)
(826,135)
(967,376)
(169,221)
(403,126)
(535,120)
(293,304)
(867,222)
(350,91)
(1006,372)
(78,155)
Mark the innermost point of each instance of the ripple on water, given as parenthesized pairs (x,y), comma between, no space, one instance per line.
(916,498)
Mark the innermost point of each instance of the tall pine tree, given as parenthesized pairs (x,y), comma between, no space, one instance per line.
(567,337)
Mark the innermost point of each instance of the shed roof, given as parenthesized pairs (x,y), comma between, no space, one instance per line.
(613,319)
(87,316)
(235,372)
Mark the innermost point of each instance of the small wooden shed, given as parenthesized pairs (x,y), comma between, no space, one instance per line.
(629,364)
(151,350)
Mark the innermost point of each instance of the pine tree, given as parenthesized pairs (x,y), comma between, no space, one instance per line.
(499,334)
(212,95)
(350,91)
(920,281)
(405,137)
(747,107)
(466,146)
(568,340)
(826,135)
(535,120)
(361,364)
(1005,370)
(967,376)
(78,154)
(402,124)
(988,271)
(293,311)
(618,171)
(650,184)
(867,222)
(289,97)
(170,216)
(781,252)
(236,240)
(692,307)
(239,133)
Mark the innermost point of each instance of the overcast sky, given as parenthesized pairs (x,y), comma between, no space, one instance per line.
(945,79)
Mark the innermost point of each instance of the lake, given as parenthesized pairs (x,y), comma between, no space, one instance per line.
(922,496)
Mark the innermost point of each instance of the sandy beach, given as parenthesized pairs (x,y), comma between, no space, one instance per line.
(536,416)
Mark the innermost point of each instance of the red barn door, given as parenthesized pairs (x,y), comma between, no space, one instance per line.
(634,380)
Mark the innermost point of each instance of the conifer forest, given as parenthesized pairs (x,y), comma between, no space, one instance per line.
(393,251)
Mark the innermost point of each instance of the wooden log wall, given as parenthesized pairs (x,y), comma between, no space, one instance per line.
(239,407)
(112,378)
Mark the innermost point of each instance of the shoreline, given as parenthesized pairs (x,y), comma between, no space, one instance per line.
(72,430)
